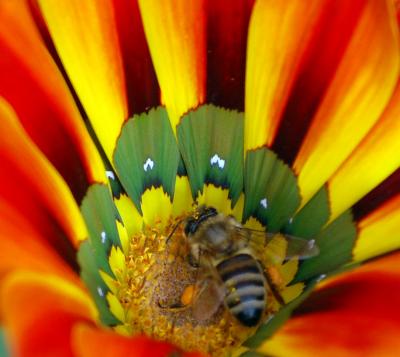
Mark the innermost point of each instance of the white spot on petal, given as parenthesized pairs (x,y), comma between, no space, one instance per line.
(100,291)
(264,203)
(321,277)
(110,175)
(103,237)
(216,160)
(148,165)
(311,243)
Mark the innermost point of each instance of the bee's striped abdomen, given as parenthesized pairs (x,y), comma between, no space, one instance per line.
(244,281)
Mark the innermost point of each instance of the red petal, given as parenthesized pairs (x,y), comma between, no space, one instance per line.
(374,159)
(31,82)
(142,86)
(226,51)
(356,314)
(23,246)
(91,342)
(380,194)
(321,59)
(39,313)
(279,32)
(360,90)
(33,192)
(378,233)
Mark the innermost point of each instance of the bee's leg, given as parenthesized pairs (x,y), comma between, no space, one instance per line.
(274,290)
(177,307)
(193,261)
(208,299)
(188,295)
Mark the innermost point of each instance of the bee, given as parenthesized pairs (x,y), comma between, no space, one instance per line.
(224,253)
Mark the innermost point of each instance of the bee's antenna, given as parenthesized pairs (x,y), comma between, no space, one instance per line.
(173,231)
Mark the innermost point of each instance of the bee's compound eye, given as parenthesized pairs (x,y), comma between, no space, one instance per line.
(190,227)
(212,211)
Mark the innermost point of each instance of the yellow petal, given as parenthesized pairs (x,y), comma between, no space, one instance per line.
(289,270)
(356,98)
(176,38)
(156,207)
(376,158)
(130,216)
(116,307)
(292,292)
(278,34)
(123,236)
(117,261)
(379,232)
(84,34)
(182,197)
(109,281)
(218,198)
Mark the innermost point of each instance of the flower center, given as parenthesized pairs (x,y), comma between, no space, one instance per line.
(158,296)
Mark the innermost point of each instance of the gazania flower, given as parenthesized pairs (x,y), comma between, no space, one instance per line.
(121,120)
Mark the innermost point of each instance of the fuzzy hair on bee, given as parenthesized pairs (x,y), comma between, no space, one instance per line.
(229,269)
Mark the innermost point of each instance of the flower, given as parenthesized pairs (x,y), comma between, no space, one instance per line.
(119,116)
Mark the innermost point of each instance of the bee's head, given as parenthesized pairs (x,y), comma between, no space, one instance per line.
(210,231)
(201,215)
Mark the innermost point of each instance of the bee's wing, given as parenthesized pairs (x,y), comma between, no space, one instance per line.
(208,298)
(296,247)
(210,291)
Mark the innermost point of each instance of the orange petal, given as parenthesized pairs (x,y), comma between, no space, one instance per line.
(23,245)
(372,161)
(40,311)
(31,82)
(176,37)
(84,34)
(278,34)
(379,232)
(356,314)
(140,77)
(31,185)
(357,96)
(91,342)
